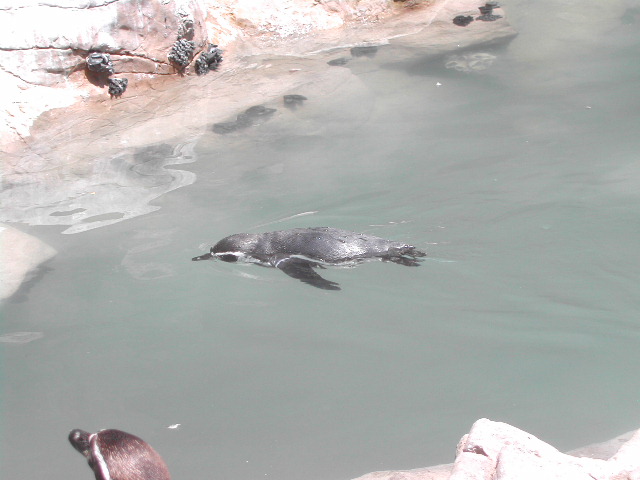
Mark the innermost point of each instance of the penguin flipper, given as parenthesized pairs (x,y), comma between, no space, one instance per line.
(303,270)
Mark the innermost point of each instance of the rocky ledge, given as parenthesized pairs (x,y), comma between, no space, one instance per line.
(498,451)
(59,52)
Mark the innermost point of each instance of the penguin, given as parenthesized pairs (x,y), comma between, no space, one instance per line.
(298,251)
(117,455)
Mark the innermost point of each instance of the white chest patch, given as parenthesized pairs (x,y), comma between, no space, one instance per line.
(97,455)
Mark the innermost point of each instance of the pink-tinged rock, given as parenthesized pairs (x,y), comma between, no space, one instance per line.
(498,451)
(437,472)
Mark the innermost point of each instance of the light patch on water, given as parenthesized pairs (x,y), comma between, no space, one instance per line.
(20,337)
(291,217)
(99,191)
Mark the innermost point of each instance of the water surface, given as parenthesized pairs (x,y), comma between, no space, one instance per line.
(521,181)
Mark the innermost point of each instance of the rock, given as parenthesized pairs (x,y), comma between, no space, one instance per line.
(498,451)
(21,255)
(100,63)
(117,86)
(48,41)
(209,60)
(438,472)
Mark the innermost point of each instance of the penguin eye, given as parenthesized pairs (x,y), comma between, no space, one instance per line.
(227,257)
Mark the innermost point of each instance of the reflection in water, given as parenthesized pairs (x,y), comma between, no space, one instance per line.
(103,192)
(20,337)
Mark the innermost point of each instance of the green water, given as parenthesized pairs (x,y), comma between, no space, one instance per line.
(522,183)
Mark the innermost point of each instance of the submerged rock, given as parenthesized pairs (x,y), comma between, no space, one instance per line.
(100,63)
(252,116)
(470,62)
(257,112)
(117,86)
(293,101)
(369,51)
(181,53)
(209,60)
(338,61)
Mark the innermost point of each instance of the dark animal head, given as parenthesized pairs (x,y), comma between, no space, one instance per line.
(117,455)
(231,248)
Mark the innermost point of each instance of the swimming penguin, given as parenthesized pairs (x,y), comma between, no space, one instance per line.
(117,455)
(298,251)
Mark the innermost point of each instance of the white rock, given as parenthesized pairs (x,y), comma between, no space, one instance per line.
(21,254)
(498,451)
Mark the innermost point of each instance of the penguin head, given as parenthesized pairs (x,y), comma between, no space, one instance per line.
(114,454)
(234,247)
(80,441)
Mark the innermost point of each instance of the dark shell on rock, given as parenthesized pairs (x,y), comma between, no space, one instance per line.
(209,60)
(487,12)
(488,18)
(117,86)
(462,21)
(338,61)
(100,62)
(181,53)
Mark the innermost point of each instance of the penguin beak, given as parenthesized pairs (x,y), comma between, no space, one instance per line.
(206,256)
